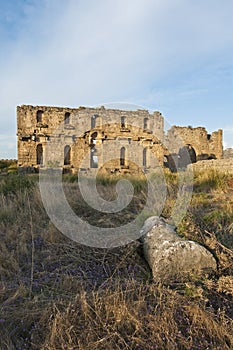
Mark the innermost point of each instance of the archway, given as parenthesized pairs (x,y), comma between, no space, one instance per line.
(186,156)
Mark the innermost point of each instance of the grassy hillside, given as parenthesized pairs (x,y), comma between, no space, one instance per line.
(57,294)
(8,166)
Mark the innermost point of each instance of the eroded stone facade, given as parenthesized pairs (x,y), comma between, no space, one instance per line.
(206,146)
(220,165)
(116,141)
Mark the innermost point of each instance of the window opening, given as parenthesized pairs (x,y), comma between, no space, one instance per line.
(122,156)
(39,116)
(39,154)
(67,118)
(67,155)
(122,122)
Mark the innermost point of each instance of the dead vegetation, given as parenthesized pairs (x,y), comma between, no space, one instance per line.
(57,294)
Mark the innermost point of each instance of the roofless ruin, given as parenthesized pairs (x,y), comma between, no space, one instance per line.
(116,141)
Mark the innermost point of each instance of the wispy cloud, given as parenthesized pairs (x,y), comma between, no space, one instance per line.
(228,136)
(9,149)
(165,54)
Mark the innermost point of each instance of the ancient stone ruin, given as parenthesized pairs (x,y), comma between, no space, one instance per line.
(112,140)
(228,153)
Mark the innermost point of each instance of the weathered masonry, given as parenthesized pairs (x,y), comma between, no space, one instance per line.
(116,141)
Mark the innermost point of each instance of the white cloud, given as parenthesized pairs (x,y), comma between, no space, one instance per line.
(9,149)
(228,137)
(87,52)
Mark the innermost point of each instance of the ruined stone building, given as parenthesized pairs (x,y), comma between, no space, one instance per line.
(116,141)
(228,153)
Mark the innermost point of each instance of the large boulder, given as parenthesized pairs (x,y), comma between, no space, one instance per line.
(170,256)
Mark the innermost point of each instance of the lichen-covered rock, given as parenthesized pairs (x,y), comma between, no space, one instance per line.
(170,256)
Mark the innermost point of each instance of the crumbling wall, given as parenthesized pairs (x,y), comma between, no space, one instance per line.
(221,165)
(73,129)
(116,140)
(205,146)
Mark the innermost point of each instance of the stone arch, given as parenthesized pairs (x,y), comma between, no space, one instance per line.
(67,155)
(39,116)
(39,154)
(186,155)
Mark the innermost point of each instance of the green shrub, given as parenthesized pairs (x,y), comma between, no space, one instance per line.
(6,217)
(13,183)
(6,165)
(12,169)
(217,219)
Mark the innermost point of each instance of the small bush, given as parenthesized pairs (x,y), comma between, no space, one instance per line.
(13,183)
(7,165)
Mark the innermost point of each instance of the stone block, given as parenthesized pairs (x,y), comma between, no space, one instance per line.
(170,256)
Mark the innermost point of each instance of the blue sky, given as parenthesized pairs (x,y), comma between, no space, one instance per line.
(175,56)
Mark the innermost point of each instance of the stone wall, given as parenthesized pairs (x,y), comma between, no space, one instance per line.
(116,140)
(206,146)
(221,165)
(88,134)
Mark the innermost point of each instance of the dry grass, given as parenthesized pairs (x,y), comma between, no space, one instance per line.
(56,294)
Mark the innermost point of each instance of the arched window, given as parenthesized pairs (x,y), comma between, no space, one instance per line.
(186,156)
(122,122)
(94,158)
(39,154)
(122,156)
(67,155)
(145,123)
(93,121)
(67,118)
(144,157)
(39,116)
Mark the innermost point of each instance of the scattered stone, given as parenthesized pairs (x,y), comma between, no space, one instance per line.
(220,165)
(170,256)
